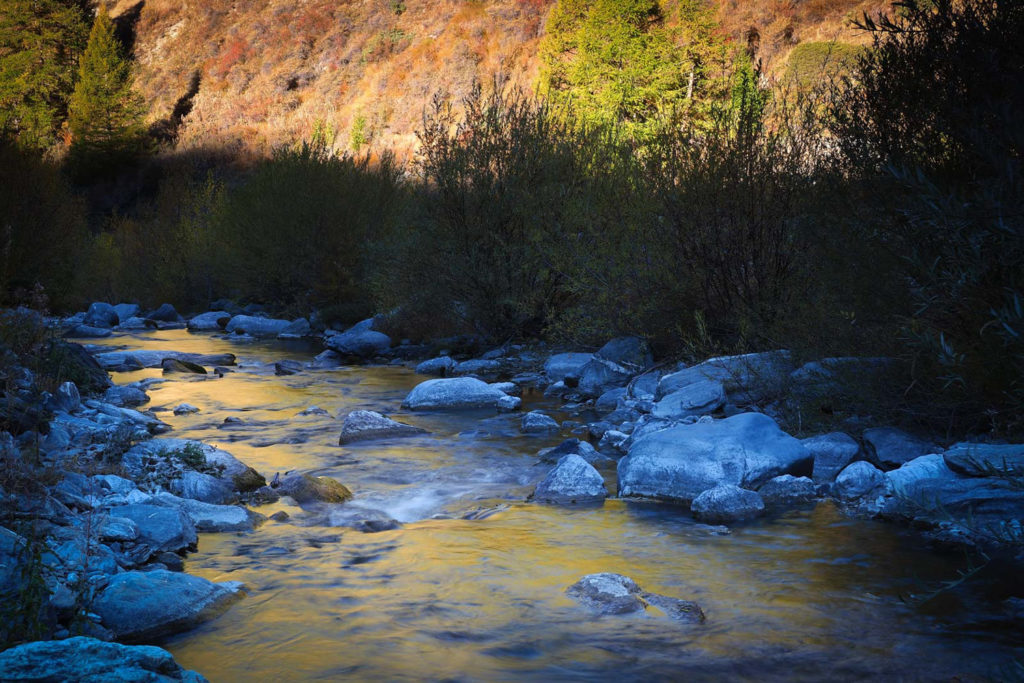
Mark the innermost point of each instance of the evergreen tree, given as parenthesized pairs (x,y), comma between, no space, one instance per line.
(40,42)
(107,127)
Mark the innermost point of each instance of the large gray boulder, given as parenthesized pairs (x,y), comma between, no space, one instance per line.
(209,321)
(126,312)
(101,315)
(860,480)
(563,365)
(456,393)
(141,606)
(727,503)
(365,425)
(125,396)
(985,459)
(165,314)
(358,343)
(832,452)
(787,490)
(679,463)
(904,480)
(88,660)
(573,480)
(889,447)
(700,398)
(599,375)
(748,378)
(298,329)
(256,327)
(629,352)
(160,527)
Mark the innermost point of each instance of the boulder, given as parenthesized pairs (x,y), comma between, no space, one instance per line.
(287,367)
(125,396)
(477,367)
(358,343)
(255,326)
(185,409)
(536,422)
(66,399)
(563,365)
(599,375)
(576,447)
(679,463)
(126,312)
(79,365)
(788,490)
(142,606)
(457,393)
(573,480)
(832,452)
(304,488)
(173,365)
(609,400)
(209,517)
(700,398)
(441,366)
(326,360)
(748,378)
(203,487)
(210,321)
(507,404)
(860,480)
(160,527)
(88,660)
(298,329)
(889,447)
(137,359)
(165,314)
(904,480)
(727,503)
(609,593)
(365,425)
(88,332)
(985,459)
(629,352)
(100,315)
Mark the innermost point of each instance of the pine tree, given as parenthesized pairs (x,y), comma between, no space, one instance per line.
(40,43)
(107,125)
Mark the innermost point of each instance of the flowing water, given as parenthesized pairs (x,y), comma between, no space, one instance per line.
(471,587)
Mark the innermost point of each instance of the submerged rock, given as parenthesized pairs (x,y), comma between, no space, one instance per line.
(679,463)
(174,365)
(573,480)
(140,606)
(727,503)
(610,593)
(457,393)
(364,425)
(88,660)
(536,422)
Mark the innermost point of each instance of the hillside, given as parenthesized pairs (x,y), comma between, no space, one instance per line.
(269,71)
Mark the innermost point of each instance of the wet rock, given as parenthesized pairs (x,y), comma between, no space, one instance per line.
(727,503)
(788,490)
(536,422)
(610,593)
(679,463)
(287,367)
(115,360)
(256,326)
(209,321)
(88,660)
(599,375)
(860,480)
(441,366)
(312,410)
(165,314)
(358,342)
(101,315)
(573,480)
(477,367)
(141,606)
(576,447)
(984,459)
(457,393)
(563,365)
(832,452)
(326,359)
(629,352)
(699,398)
(88,332)
(125,396)
(613,441)
(365,425)
(203,487)
(208,517)
(160,527)
(304,488)
(185,409)
(747,378)
(173,365)
(889,447)
(366,520)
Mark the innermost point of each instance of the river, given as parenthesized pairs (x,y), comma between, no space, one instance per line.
(472,585)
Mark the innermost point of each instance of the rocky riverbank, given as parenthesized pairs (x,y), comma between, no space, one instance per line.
(98,513)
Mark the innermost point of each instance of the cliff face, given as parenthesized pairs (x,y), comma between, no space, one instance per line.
(253,74)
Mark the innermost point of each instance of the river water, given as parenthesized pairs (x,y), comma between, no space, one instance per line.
(471,587)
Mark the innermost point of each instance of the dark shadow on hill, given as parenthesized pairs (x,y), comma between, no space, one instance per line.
(165,131)
(125,24)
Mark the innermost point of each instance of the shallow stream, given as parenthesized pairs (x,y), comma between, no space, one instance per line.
(471,587)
